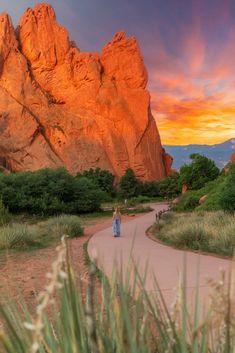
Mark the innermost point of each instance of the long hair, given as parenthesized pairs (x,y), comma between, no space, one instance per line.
(117,210)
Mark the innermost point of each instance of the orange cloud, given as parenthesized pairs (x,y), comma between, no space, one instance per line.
(193,100)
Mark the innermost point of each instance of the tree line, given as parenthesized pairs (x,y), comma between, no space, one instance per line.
(55,191)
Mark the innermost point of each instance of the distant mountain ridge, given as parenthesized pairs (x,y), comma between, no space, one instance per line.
(220,152)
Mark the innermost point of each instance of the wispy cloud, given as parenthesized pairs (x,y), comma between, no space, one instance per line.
(193,88)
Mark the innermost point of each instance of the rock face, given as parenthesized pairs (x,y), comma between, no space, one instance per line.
(203,199)
(233,158)
(63,107)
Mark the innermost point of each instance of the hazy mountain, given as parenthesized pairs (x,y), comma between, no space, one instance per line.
(220,153)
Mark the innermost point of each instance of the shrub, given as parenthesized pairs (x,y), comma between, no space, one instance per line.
(22,236)
(49,192)
(87,198)
(226,198)
(213,190)
(206,231)
(63,225)
(188,201)
(4,214)
(18,236)
(129,184)
(137,200)
(170,187)
(199,172)
(102,178)
(149,189)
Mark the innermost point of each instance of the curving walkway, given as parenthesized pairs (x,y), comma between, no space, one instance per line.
(163,262)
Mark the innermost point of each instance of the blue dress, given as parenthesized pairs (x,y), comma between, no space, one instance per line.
(116,227)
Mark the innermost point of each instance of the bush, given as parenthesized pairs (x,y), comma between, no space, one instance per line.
(18,236)
(4,214)
(115,322)
(63,225)
(149,189)
(206,231)
(226,198)
(167,188)
(49,192)
(213,190)
(190,200)
(137,200)
(199,172)
(129,184)
(103,179)
(22,236)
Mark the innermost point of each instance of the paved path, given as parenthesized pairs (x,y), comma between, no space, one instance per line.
(163,262)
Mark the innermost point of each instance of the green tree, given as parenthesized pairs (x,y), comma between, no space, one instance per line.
(102,178)
(149,189)
(170,187)
(199,172)
(49,191)
(227,194)
(129,184)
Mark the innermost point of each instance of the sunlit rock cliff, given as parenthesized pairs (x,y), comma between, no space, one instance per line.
(63,107)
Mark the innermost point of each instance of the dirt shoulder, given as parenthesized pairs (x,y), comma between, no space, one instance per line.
(23,274)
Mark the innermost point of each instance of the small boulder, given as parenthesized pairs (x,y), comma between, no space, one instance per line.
(175,201)
(184,188)
(203,199)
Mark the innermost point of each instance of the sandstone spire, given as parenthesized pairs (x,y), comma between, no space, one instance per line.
(60,106)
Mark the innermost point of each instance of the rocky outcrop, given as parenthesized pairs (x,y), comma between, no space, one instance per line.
(203,199)
(233,158)
(184,188)
(63,107)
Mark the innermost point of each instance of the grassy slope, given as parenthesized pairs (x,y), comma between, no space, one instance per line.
(190,200)
(204,231)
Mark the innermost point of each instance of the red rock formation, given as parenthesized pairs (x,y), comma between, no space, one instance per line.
(62,107)
(203,199)
(168,161)
(233,158)
(184,188)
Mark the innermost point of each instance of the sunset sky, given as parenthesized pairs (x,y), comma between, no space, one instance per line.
(189,50)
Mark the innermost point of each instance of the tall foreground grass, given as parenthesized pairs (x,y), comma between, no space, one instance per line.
(113,322)
(206,231)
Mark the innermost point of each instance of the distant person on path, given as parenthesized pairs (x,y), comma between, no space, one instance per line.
(117,222)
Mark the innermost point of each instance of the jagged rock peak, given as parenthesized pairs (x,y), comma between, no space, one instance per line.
(63,107)
(7,35)
(39,11)
(123,61)
(43,42)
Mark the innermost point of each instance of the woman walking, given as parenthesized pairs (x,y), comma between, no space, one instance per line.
(117,222)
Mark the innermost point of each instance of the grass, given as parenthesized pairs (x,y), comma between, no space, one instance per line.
(204,231)
(18,236)
(89,263)
(131,202)
(5,217)
(114,322)
(24,232)
(136,210)
(21,236)
(62,225)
